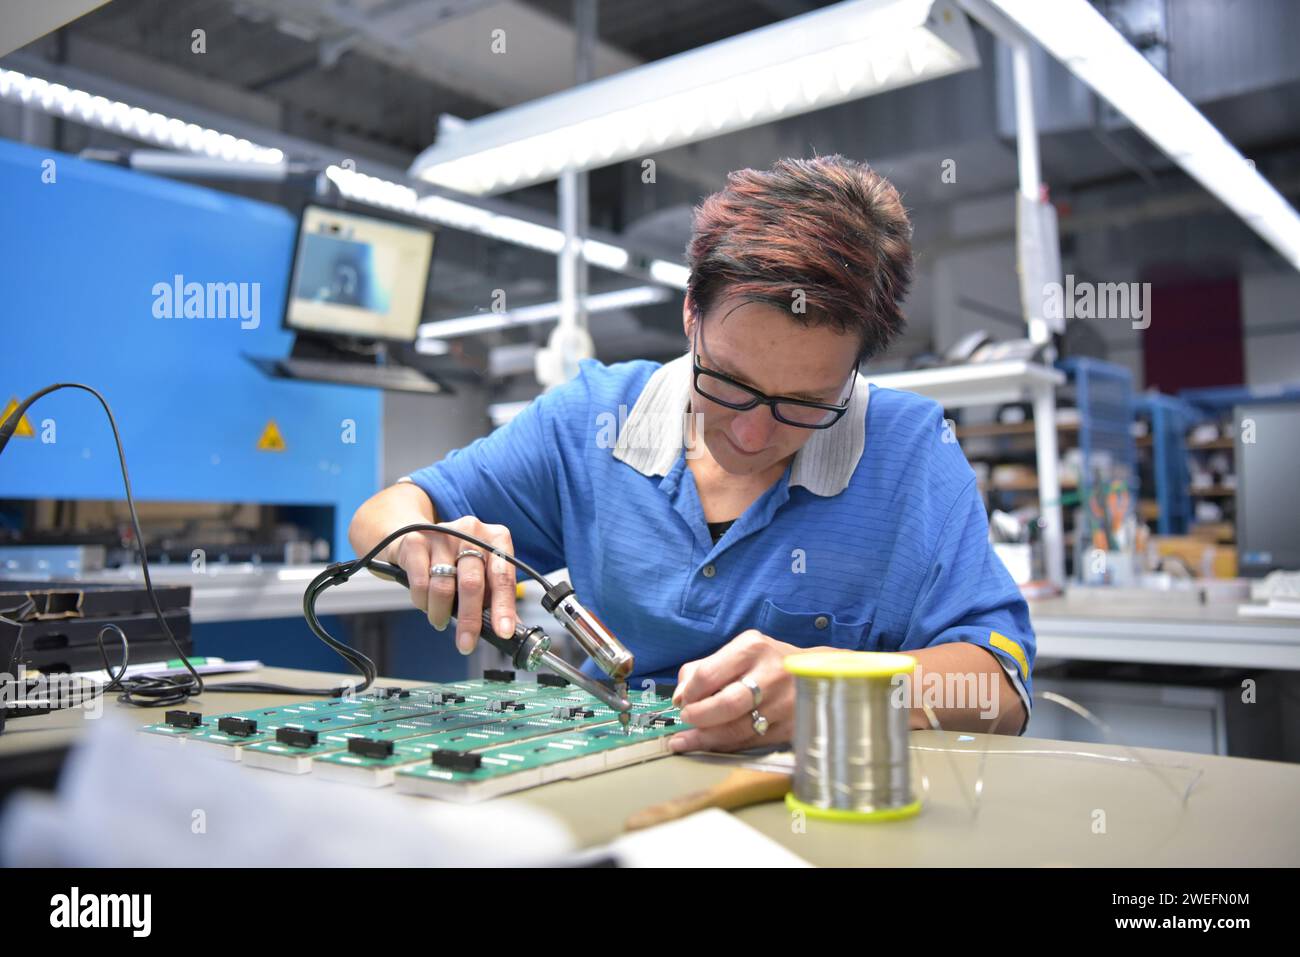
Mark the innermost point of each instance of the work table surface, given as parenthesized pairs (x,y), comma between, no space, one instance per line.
(1043,803)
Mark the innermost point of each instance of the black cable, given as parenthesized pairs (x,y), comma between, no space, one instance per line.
(164,690)
(7,431)
(355,565)
(340,572)
(20,612)
(24,707)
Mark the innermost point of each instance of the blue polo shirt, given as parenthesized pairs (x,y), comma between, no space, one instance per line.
(875,538)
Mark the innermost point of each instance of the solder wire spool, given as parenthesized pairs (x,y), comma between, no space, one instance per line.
(852,761)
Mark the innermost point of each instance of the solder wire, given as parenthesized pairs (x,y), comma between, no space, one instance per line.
(851,745)
(1135,756)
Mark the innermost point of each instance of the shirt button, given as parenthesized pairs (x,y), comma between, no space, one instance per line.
(708,571)
(821,621)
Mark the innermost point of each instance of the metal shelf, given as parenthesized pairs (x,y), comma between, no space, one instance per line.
(988,383)
(993,383)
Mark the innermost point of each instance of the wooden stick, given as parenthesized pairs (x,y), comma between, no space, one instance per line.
(740,788)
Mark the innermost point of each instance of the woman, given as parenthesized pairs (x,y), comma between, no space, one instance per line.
(756,497)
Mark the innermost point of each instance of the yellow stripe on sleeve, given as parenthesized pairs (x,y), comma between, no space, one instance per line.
(1005,644)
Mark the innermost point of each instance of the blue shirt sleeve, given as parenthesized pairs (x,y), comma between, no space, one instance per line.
(507,478)
(968,595)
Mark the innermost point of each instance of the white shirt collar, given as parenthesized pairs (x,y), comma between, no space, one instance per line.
(651,438)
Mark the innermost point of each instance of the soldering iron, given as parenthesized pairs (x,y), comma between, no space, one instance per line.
(529,648)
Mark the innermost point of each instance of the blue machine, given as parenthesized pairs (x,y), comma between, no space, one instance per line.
(88,262)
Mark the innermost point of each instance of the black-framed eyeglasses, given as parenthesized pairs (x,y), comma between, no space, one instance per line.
(801,413)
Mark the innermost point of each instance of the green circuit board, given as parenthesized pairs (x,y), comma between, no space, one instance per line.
(512,767)
(337,714)
(462,741)
(552,717)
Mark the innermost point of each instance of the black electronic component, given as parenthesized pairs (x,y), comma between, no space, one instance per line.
(456,760)
(184,719)
(547,680)
(392,692)
(664,691)
(297,737)
(495,674)
(239,727)
(648,720)
(568,712)
(370,748)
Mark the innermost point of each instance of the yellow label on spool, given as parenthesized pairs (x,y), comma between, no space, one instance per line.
(849,664)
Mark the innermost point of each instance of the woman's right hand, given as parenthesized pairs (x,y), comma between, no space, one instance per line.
(478,583)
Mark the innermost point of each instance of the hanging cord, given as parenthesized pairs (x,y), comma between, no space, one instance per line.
(156,691)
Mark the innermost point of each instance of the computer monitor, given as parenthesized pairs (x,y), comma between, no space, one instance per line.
(358,275)
(1267,461)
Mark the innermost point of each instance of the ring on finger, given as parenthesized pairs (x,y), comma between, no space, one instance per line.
(759,722)
(442,571)
(754,690)
(465,552)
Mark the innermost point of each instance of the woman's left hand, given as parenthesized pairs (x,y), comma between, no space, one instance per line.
(720,708)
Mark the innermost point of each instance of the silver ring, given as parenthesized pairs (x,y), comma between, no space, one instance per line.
(471,551)
(442,571)
(754,689)
(760,723)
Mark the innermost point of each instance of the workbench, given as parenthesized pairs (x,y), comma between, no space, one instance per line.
(1042,801)
(1213,635)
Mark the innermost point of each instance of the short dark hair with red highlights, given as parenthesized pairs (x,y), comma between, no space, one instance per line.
(829,226)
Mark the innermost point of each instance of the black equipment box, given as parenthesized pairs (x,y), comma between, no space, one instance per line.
(58,629)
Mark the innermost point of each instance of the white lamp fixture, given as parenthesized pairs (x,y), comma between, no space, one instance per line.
(805,63)
(131,121)
(1094,51)
(171,133)
(542,312)
(449,212)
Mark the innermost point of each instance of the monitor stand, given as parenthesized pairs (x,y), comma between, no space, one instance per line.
(337,349)
(342,361)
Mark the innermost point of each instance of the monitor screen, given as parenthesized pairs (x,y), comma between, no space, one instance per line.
(358,275)
(1267,462)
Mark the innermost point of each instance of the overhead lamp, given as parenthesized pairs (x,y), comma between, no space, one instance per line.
(474,219)
(843,52)
(541,312)
(130,121)
(1094,51)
